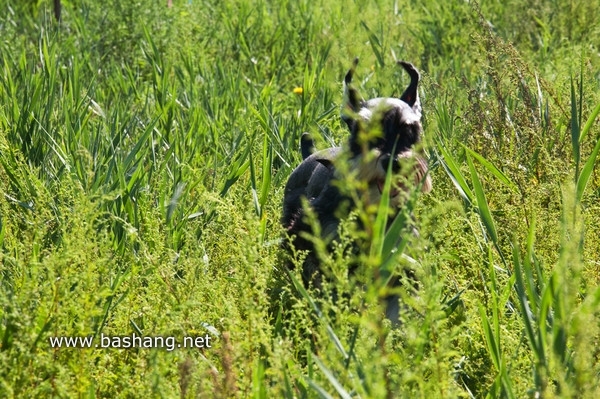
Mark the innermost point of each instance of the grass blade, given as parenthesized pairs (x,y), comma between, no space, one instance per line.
(575,133)
(490,339)
(587,170)
(527,316)
(379,226)
(589,123)
(319,389)
(267,162)
(482,204)
(238,167)
(375,44)
(453,171)
(493,170)
(332,379)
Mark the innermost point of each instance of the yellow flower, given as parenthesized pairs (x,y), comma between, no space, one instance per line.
(298,90)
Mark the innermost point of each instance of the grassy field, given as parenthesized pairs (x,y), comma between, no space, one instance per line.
(143,155)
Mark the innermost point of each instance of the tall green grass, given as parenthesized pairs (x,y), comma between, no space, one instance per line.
(143,155)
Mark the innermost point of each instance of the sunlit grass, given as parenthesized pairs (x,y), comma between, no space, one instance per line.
(143,155)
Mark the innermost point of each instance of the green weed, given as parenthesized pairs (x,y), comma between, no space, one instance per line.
(143,155)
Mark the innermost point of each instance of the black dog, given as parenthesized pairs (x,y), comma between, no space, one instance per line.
(396,124)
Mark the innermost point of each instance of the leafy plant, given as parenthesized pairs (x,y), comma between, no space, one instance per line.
(143,155)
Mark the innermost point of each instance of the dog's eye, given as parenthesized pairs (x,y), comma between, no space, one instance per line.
(385,163)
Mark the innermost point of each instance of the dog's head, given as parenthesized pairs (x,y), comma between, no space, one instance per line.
(397,119)
(383,132)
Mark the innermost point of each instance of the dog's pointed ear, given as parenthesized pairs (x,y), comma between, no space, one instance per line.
(352,101)
(411,94)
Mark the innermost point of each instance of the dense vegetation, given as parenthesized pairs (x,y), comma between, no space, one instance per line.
(143,154)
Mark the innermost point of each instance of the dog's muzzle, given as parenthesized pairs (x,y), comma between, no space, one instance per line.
(418,171)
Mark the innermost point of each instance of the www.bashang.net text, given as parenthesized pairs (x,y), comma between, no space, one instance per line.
(130,342)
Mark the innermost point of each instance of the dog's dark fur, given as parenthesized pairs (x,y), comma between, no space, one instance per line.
(398,122)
